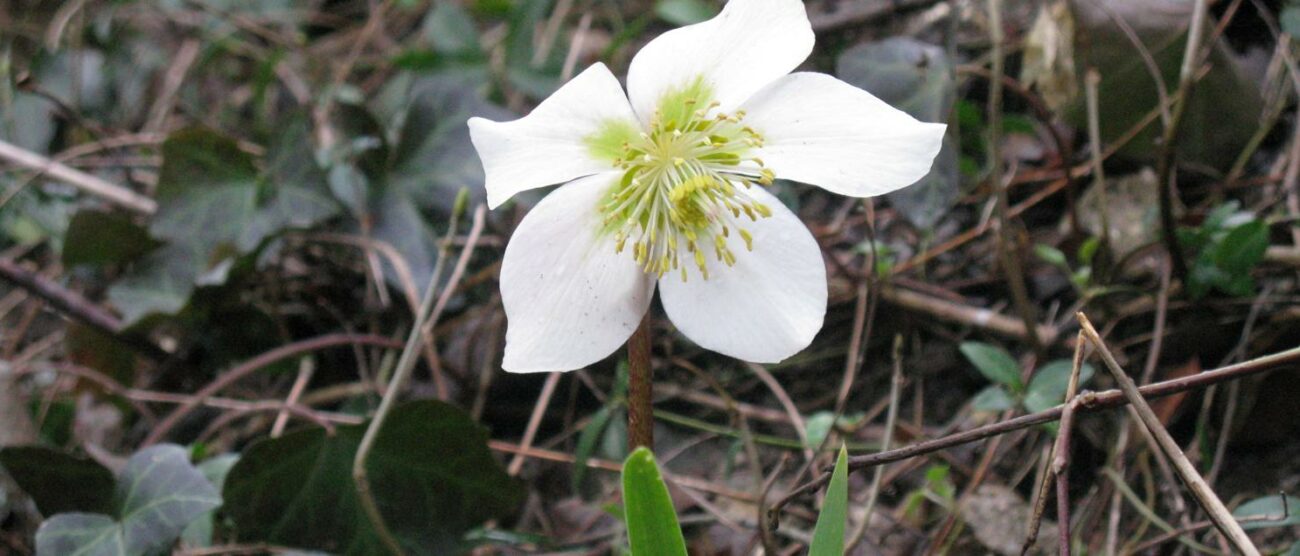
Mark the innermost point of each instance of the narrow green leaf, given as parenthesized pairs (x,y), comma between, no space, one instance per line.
(1051,255)
(828,536)
(652,528)
(587,444)
(994,363)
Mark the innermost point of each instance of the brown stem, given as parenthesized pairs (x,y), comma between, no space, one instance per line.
(1060,467)
(640,419)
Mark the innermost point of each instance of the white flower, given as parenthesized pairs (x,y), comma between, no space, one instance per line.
(669,188)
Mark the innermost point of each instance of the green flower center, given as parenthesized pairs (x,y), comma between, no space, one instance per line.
(679,201)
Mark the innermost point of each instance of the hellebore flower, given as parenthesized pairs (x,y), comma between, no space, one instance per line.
(669,188)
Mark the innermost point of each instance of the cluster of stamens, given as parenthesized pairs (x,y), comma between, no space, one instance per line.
(679,196)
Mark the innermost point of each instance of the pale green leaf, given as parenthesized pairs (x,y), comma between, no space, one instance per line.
(652,528)
(828,535)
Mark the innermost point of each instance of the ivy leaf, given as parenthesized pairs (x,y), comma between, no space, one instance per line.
(97,238)
(430,471)
(199,532)
(214,206)
(78,533)
(157,495)
(58,481)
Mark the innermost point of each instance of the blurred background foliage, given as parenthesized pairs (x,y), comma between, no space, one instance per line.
(216,217)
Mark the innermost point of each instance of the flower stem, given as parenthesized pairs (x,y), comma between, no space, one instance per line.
(640,419)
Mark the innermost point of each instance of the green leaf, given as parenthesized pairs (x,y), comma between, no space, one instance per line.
(994,363)
(1051,255)
(157,495)
(1270,506)
(684,12)
(430,470)
(828,535)
(1242,248)
(59,482)
(98,238)
(652,528)
(993,398)
(214,205)
(450,29)
(1048,386)
(78,533)
(817,426)
(199,532)
(1088,249)
(1290,20)
(587,440)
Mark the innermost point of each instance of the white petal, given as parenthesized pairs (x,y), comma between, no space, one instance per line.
(747,46)
(823,131)
(765,308)
(550,145)
(569,299)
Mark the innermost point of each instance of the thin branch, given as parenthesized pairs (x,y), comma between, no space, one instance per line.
(1165,163)
(1007,252)
(1204,495)
(111,192)
(1090,402)
(76,306)
(405,364)
(258,363)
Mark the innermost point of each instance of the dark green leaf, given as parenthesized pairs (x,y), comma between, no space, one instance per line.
(161,282)
(430,471)
(828,535)
(1242,248)
(994,363)
(59,482)
(1269,507)
(213,206)
(652,528)
(1048,386)
(993,398)
(98,238)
